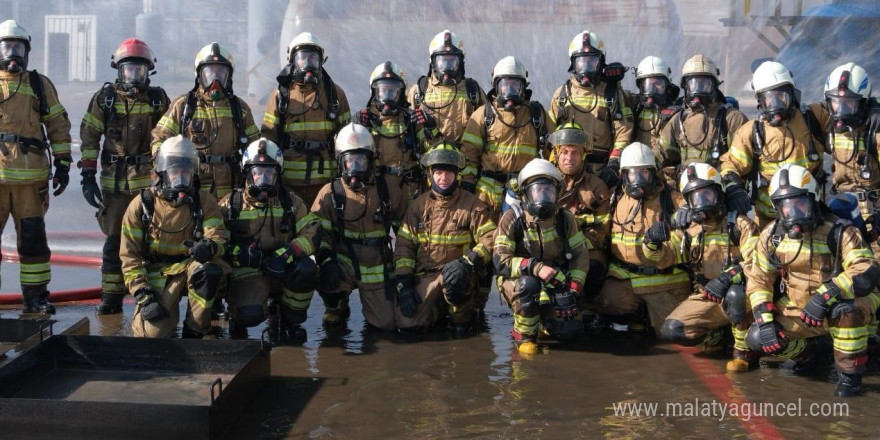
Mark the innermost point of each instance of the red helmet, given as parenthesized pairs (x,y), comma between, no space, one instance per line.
(133,48)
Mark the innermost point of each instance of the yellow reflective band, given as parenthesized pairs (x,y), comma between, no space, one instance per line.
(856,254)
(93,122)
(741,157)
(212,222)
(444,97)
(405,234)
(526,325)
(676,277)
(504,240)
(449,239)
(760,296)
(169,124)
(54,110)
(132,185)
(486,227)
(547,235)
(469,171)
(394,129)
(577,240)
(296,127)
(586,101)
(270,119)
(304,221)
(470,138)
(484,253)
(577,275)
(763,263)
(88,153)
(845,283)
(515,264)
(134,274)
(403,262)
(523,149)
(305,244)
(23,175)
(294,302)
(372,274)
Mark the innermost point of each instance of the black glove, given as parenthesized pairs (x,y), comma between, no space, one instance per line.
(737,198)
(773,339)
(611,173)
(565,303)
(716,289)
(151,310)
(407,298)
(280,260)
(814,312)
(418,116)
(330,274)
(469,187)
(249,256)
(90,189)
(457,276)
(61,177)
(657,234)
(365,117)
(614,72)
(681,219)
(202,250)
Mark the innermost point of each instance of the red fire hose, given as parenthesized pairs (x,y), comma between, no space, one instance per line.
(60,295)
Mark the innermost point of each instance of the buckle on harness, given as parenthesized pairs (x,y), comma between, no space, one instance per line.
(9,137)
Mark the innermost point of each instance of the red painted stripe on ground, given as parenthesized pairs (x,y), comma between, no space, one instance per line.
(758,427)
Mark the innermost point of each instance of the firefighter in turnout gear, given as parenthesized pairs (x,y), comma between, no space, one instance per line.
(172,245)
(400,135)
(782,135)
(645,276)
(594,98)
(445,94)
(824,279)
(303,115)
(357,211)
(503,135)
(220,124)
(123,113)
(271,237)
(656,105)
(541,258)
(703,129)
(585,195)
(34,128)
(444,243)
(717,245)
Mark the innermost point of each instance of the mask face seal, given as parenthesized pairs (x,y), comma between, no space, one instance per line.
(177,182)
(652,91)
(447,68)
(776,106)
(387,96)
(586,68)
(510,92)
(262,182)
(705,203)
(699,91)
(355,168)
(133,76)
(639,182)
(214,78)
(540,198)
(847,112)
(13,55)
(306,65)
(796,215)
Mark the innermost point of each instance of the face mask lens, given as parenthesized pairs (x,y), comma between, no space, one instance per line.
(388,90)
(356,163)
(263,176)
(541,193)
(446,63)
(12,48)
(653,86)
(214,72)
(795,209)
(843,106)
(775,100)
(307,60)
(638,176)
(702,198)
(179,176)
(699,85)
(510,87)
(587,64)
(133,73)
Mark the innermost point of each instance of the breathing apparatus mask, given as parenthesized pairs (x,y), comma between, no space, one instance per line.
(356,168)
(262,182)
(639,182)
(447,68)
(214,78)
(387,96)
(587,68)
(777,105)
(13,55)
(178,180)
(134,76)
(705,203)
(699,91)
(306,66)
(540,196)
(510,92)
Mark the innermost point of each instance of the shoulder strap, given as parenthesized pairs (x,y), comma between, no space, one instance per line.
(281,101)
(719,146)
(337,196)
(157,101)
(489,116)
(198,216)
(561,101)
(107,101)
(238,117)
(562,233)
(287,223)
(473,91)
(815,128)
(519,224)
(147,206)
(537,113)
(189,109)
(384,201)
(236,203)
(835,236)
(37,87)
(421,86)
(332,99)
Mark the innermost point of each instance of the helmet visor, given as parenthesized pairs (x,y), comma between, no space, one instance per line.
(388,90)
(702,85)
(703,198)
(655,85)
(355,163)
(775,100)
(307,59)
(133,72)
(794,210)
(639,175)
(510,87)
(843,106)
(214,72)
(180,174)
(541,192)
(586,64)
(12,48)
(446,63)
(264,176)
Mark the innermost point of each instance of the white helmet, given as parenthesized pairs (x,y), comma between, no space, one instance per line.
(355,148)
(214,53)
(262,163)
(700,185)
(509,66)
(851,77)
(11,30)
(388,69)
(653,66)
(304,39)
(177,155)
(698,175)
(446,42)
(776,102)
(585,42)
(700,65)
(354,137)
(388,88)
(770,75)
(847,90)
(636,155)
(794,193)
(447,57)
(262,152)
(538,196)
(793,181)
(15,57)
(538,168)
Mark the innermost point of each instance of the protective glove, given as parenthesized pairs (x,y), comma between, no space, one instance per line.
(657,234)
(611,173)
(558,280)
(62,175)
(773,339)
(716,289)
(407,298)
(681,219)
(151,310)
(202,250)
(814,312)
(248,256)
(330,274)
(365,117)
(614,72)
(418,116)
(457,279)
(90,189)
(565,303)
(277,264)
(737,198)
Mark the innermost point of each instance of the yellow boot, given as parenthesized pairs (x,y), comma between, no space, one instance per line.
(742,361)
(527,348)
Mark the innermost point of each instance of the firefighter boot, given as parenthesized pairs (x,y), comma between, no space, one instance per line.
(36,300)
(111,304)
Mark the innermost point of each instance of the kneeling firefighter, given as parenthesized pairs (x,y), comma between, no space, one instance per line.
(541,258)
(172,242)
(271,238)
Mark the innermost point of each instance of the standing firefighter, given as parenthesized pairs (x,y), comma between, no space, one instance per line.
(645,278)
(445,241)
(356,211)
(220,124)
(717,245)
(31,113)
(593,98)
(271,238)
(124,114)
(656,106)
(541,258)
(782,135)
(702,131)
(825,276)
(172,242)
(303,115)
(446,94)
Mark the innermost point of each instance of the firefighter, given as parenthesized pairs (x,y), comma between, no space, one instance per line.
(645,278)
(657,102)
(444,243)
(542,259)
(585,195)
(400,134)
(716,247)
(826,279)
(782,135)
(123,113)
(703,129)
(357,211)
(446,94)
(303,115)
(33,125)
(594,98)
(220,124)
(271,237)
(172,245)
(503,135)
